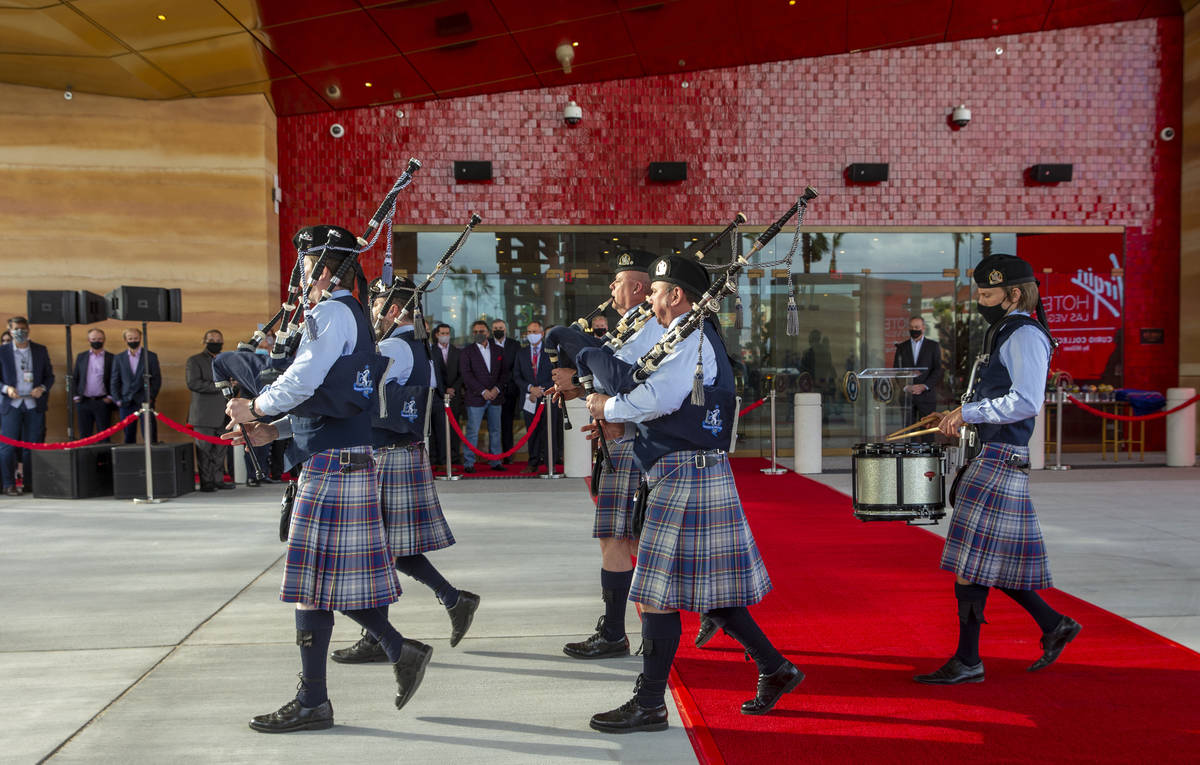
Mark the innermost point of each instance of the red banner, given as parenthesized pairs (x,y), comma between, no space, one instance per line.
(1084,296)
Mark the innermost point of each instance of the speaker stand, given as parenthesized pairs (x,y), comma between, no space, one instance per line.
(147,413)
(70,388)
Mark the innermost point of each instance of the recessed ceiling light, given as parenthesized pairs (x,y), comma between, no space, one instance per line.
(575,44)
(161,17)
(791,2)
(616,238)
(368,84)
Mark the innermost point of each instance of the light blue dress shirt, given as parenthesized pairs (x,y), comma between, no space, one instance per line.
(637,346)
(401,356)
(665,390)
(336,336)
(1026,356)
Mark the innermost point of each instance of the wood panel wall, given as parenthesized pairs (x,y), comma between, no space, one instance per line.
(97,192)
(1189,253)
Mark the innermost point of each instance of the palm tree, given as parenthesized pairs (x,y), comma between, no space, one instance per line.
(833,250)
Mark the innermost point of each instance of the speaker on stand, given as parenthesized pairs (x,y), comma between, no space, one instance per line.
(66,307)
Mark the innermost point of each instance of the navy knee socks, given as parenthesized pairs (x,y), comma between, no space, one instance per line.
(660,640)
(615,586)
(740,625)
(419,568)
(1045,616)
(313,629)
(971,599)
(375,622)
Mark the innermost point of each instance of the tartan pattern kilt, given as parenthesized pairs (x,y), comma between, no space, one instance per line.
(412,513)
(615,495)
(994,537)
(696,551)
(337,556)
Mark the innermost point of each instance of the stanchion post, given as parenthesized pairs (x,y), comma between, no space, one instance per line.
(1062,402)
(446,444)
(147,425)
(774,469)
(549,442)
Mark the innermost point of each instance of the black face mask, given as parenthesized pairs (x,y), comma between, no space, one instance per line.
(992,313)
(214,348)
(600,332)
(481,337)
(97,344)
(498,334)
(914,333)
(133,344)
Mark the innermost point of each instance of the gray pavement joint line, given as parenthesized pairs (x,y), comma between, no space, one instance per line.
(158,663)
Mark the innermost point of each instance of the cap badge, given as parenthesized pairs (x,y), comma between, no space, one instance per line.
(625,260)
(661,268)
(995,277)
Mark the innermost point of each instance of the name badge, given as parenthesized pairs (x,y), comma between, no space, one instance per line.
(28,377)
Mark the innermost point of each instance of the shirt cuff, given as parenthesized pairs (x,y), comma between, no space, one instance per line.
(970,413)
(284,426)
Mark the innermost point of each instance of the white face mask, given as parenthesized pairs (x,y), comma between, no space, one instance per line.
(534,338)
(443,339)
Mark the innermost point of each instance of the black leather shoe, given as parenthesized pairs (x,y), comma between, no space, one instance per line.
(630,717)
(363,652)
(252,482)
(468,468)
(1055,641)
(208,487)
(462,614)
(708,628)
(410,669)
(772,687)
(499,468)
(953,672)
(293,717)
(532,467)
(227,486)
(597,646)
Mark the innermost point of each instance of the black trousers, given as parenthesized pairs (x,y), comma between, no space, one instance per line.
(508,413)
(437,432)
(132,430)
(210,458)
(537,442)
(95,414)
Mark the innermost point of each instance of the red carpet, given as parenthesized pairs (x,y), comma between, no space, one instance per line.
(484,470)
(860,608)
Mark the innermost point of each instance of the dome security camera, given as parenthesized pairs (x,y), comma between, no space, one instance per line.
(67,94)
(572,114)
(961,116)
(336,130)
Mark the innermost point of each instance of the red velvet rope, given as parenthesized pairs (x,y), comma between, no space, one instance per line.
(751,407)
(516,447)
(93,439)
(187,430)
(1131,417)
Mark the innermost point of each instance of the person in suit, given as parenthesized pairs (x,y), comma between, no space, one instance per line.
(127,386)
(207,412)
(26,376)
(485,374)
(920,351)
(449,388)
(531,371)
(509,398)
(93,368)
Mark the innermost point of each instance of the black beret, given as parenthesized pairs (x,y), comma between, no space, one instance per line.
(1001,270)
(681,270)
(315,236)
(403,285)
(634,260)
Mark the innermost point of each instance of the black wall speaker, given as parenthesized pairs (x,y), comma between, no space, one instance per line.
(867,172)
(145,304)
(1051,173)
(78,473)
(90,307)
(665,172)
(472,171)
(51,307)
(174,467)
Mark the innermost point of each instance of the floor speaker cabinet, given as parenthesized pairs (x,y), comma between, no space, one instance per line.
(174,470)
(77,473)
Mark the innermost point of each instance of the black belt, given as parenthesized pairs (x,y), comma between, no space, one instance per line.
(94,398)
(401,447)
(350,462)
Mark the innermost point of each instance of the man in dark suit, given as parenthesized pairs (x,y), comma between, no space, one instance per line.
(510,399)
(25,378)
(531,372)
(207,413)
(126,384)
(93,368)
(449,389)
(920,351)
(485,373)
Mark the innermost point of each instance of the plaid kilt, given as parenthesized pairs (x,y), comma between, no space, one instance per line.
(337,557)
(994,537)
(614,499)
(696,551)
(412,513)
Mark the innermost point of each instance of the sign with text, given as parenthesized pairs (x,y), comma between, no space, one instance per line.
(1084,296)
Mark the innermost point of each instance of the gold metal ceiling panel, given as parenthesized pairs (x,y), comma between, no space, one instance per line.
(29,3)
(127,75)
(219,62)
(136,22)
(55,31)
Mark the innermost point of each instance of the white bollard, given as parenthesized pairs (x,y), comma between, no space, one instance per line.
(1181,429)
(239,464)
(806,433)
(1037,442)
(577,450)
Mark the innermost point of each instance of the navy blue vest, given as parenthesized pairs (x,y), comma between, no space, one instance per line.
(338,415)
(405,421)
(995,382)
(692,427)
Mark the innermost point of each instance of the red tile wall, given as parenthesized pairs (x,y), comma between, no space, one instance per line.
(754,136)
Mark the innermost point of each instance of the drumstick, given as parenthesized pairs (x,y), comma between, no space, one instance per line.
(927,431)
(926,420)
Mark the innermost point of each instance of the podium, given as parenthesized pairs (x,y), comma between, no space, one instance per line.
(886,406)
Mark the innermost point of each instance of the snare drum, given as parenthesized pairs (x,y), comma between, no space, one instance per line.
(899,482)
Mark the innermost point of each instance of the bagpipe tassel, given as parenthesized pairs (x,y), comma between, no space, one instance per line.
(793,317)
(418,324)
(737,311)
(698,377)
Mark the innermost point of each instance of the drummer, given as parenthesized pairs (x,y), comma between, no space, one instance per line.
(994,539)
